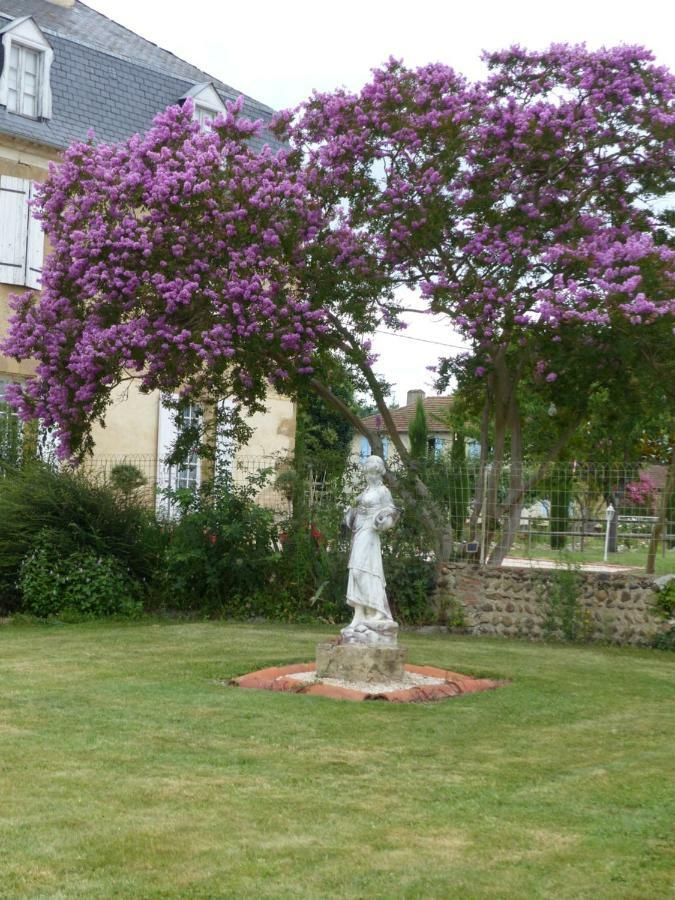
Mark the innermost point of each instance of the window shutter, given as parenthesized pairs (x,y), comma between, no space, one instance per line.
(13,229)
(35,247)
(365,448)
(225,446)
(385,447)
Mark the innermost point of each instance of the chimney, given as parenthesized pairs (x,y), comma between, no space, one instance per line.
(413,397)
(66,3)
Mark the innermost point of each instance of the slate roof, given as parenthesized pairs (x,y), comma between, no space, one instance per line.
(436,409)
(106,77)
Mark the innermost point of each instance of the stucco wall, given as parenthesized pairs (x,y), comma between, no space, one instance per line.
(273,430)
(132,420)
(131,424)
(614,607)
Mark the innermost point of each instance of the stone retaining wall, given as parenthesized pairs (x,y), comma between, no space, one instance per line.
(532,603)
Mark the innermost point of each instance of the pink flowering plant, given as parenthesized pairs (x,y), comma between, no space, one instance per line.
(640,492)
(522,207)
(172,261)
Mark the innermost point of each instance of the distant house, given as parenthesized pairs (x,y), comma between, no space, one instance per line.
(65,69)
(436,410)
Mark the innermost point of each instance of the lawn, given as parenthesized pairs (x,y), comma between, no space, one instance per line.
(127,769)
(594,553)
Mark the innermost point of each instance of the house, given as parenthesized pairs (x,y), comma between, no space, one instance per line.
(440,434)
(66,69)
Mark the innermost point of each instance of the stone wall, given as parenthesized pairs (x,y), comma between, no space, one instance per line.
(536,604)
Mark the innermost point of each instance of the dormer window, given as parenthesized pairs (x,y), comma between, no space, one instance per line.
(207,102)
(24,82)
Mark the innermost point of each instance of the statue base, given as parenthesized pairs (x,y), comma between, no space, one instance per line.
(383,632)
(360,662)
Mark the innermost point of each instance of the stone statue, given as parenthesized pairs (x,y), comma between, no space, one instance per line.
(372,622)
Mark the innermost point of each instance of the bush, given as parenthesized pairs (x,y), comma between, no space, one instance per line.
(409,569)
(127,479)
(665,609)
(81,584)
(565,619)
(80,515)
(222,550)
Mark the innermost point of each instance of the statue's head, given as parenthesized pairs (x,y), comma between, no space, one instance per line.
(373,467)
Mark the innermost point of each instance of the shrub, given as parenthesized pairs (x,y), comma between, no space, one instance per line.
(665,609)
(80,583)
(80,515)
(410,584)
(127,479)
(566,619)
(221,550)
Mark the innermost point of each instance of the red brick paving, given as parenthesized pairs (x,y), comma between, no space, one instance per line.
(455,684)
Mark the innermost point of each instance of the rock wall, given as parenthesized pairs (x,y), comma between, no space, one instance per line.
(549,603)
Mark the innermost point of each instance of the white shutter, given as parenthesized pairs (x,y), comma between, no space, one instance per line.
(225,446)
(166,475)
(13,229)
(35,247)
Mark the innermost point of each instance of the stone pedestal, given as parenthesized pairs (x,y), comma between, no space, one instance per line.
(360,662)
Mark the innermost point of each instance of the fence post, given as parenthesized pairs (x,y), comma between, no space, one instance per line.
(483,530)
(609,515)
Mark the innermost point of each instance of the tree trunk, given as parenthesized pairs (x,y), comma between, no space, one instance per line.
(506,424)
(482,464)
(561,495)
(659,525)
(514,502)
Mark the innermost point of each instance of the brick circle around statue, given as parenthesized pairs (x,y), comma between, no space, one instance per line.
(454,684)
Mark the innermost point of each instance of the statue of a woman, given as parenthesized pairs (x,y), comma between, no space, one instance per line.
(372,622)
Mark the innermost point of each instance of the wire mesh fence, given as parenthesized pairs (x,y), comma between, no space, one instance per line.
(584,512)
(579,512)
(154,480)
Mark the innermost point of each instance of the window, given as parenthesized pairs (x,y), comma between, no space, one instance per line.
(187,475)
(23,83)
(21,237)
(25,78)
(10,430)
(472,449)
(365,449)
(203,115)
(435,447)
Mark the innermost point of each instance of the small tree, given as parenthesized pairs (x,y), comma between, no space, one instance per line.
(418,433)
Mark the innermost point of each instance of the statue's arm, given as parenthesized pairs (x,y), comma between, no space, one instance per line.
(388,514)
(350,515)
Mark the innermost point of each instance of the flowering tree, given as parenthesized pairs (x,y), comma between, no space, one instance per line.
(173,260)
(521,207)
